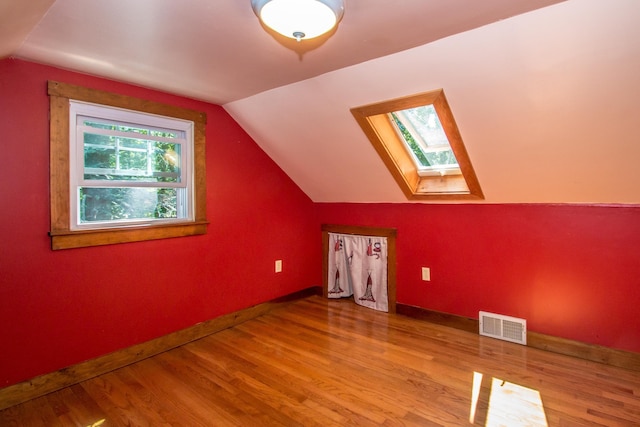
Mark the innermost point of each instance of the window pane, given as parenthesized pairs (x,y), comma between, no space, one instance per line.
(130,159)
(414,148)
(164,133)
(442,158)
(422,131)
(426,122)
(99,151)
(117,203)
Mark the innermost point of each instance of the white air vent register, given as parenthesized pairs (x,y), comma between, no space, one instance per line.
(503,327)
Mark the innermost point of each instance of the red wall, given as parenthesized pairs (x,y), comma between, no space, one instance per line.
(571,271)
(60,308)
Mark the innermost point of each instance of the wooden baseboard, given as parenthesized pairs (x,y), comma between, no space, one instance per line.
(591,352)
(47,383)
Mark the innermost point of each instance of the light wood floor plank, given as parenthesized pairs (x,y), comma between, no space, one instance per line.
(318,362)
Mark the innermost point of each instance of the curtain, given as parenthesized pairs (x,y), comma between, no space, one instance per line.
(358,267)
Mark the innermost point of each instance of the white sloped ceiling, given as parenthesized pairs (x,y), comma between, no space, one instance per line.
(547,104)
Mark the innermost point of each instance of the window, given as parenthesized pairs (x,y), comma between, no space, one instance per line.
(128,168)
(123,169)
(419,142)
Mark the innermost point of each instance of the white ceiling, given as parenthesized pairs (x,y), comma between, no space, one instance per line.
(546,94)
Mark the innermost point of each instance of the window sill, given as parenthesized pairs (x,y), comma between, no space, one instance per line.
(65,239)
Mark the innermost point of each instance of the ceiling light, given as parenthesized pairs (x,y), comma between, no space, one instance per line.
(299,19)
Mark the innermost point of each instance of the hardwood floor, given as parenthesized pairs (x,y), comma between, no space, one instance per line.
(317,362)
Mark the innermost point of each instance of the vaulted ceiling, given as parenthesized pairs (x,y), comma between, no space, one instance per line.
(546,93)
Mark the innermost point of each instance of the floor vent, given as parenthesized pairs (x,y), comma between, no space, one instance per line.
(503,327)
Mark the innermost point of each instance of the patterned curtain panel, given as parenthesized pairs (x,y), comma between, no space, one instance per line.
(358,267)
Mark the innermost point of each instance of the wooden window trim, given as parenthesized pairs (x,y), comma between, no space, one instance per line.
(375,122)
(62,236)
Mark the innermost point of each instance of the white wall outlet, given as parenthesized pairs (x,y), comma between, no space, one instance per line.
(426,274)
(278,265)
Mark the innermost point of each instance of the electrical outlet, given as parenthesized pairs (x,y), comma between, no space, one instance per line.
(426,274)
(278,265)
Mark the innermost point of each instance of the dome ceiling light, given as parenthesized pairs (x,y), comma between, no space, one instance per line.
(299,19)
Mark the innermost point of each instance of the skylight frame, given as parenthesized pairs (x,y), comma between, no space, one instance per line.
(380,129)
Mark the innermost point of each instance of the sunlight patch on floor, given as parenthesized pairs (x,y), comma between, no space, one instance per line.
(510,405)
(475,395)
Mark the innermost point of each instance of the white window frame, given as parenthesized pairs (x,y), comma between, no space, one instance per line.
(185,128)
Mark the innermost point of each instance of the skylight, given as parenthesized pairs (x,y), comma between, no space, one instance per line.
(419,142)
(422,133)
